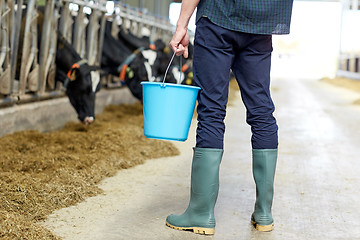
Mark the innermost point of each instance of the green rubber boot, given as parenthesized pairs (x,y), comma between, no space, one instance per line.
(199,216)
(264,164)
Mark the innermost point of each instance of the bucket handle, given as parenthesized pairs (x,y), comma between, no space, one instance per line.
(167,69)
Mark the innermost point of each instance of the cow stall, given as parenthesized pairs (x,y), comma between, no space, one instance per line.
(29,37)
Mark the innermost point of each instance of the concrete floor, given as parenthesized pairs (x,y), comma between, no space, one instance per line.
(316,187)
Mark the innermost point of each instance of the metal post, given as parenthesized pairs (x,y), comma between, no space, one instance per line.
(101,38)
(15,39)
(5,53)
(92,38)
(66,22)
(26,48)
(47,34)
(79,29)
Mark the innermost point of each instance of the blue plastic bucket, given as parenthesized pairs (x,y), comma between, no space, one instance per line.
(168,110)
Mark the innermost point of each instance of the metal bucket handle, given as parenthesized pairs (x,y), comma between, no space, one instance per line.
(167,69)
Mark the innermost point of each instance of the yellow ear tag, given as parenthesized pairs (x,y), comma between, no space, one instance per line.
(166,50)
(130,72)
(191,75)
(188,81)
(73,76)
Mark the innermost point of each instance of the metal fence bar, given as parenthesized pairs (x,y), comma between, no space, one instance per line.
(28,49)
(15,36)
(92,38)
(349,66)
(66,22)
(101,38)
(47,48)
(79,31)
(5,54)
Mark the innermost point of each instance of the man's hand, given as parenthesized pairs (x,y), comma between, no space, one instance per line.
(180,42)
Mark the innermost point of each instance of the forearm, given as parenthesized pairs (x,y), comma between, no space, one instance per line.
(187,9)
(180,40)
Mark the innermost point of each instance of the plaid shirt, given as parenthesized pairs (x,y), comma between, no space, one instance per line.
(250,16)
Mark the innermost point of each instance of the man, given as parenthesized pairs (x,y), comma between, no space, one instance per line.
(231,35)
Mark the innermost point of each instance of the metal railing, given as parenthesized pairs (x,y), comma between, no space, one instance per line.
(136,19)
(349,66)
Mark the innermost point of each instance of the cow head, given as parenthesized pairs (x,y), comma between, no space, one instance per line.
(81,91)
(136,73)
(81,80)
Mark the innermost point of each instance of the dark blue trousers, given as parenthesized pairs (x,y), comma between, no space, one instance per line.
(216,52)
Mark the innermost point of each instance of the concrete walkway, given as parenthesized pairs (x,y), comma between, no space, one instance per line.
(316,188)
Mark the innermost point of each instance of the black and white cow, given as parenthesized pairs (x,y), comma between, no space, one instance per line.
(133,42)
(155,53)
(119,58)
(81,80)
(148,49)
(158,58)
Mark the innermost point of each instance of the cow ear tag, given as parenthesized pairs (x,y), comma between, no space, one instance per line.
(73,75)
(166,50)
(191,75)
(123,72)
(130,73)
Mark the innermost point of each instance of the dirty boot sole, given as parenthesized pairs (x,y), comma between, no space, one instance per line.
(199,230)
(263,228)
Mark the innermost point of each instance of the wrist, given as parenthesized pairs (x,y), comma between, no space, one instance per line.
(182,25)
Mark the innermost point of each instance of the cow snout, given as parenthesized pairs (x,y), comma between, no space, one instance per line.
(88,120)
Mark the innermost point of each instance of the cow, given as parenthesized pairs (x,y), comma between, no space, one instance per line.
(157,55)
(81,80)
(133,42)
(122,60)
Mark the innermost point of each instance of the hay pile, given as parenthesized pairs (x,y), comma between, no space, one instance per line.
(42,172)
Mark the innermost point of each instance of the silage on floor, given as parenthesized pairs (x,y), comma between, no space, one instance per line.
(42,172)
